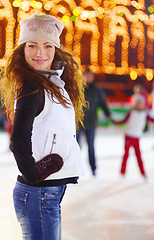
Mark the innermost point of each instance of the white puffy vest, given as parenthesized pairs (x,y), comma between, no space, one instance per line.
(56,124)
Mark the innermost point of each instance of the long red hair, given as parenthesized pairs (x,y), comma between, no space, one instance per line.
(17,71)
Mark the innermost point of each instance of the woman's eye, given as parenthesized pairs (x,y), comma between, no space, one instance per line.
(48,46)
(31,46)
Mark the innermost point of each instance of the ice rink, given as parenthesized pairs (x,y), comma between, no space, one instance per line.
(105,207)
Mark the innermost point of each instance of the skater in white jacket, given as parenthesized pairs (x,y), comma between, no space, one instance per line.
(135,123)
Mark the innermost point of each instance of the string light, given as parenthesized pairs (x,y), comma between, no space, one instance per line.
(76,12)
(133,74)
(65,18)
(84,15)
(7,13)
(48,5)
(25,5)
(150,9)
(62,9)
(74,18)
(134,28)
(39,5)
(149,74)
(16,3)
(33,4)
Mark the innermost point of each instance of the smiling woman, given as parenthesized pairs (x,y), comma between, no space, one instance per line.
(44,83)
(39,54)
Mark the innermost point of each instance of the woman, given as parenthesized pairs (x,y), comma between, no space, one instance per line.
(46,106)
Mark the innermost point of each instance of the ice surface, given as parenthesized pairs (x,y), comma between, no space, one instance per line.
(105,207)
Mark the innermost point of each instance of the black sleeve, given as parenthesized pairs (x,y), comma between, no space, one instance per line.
(27,108)
(102,102)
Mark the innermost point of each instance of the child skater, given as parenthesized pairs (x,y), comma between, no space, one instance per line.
(46,84)
(135,123)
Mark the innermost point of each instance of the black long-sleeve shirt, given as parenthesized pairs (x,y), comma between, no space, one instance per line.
(29,105)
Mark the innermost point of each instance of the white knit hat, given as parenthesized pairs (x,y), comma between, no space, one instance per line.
(41,27)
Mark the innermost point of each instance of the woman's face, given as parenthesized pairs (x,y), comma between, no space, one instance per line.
(39,54)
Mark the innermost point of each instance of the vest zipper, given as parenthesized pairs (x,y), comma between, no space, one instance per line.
(53,142)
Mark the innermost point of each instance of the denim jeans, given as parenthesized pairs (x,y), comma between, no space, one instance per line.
(38,211)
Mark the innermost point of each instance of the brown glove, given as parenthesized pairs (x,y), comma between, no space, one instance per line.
(48,165)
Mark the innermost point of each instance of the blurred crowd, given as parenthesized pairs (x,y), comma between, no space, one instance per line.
(139,119)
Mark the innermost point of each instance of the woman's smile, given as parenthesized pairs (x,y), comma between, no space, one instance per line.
(39,61)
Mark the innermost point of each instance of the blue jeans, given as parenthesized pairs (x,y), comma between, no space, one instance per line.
(90,135)
(38,211)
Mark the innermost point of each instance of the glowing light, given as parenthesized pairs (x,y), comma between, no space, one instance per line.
(141,31)
(121,14)
(62,10)
(65,18)
(76,12)
(100,15)
(141,66)
(112,50)
(25,8)
(25,5)
(135,18)
(112,66)
(39,5)
(48,5)
(112,3)
(33,4)
(133,74)
(149,74)
(142,17)
(143,7)
(16,3)
(141,57)
(106,4)
(134,3)
(138,6)
(124,64)
(94,13)
(85,14)
(100,10)
(74,18)
(150,9)
(152,17)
